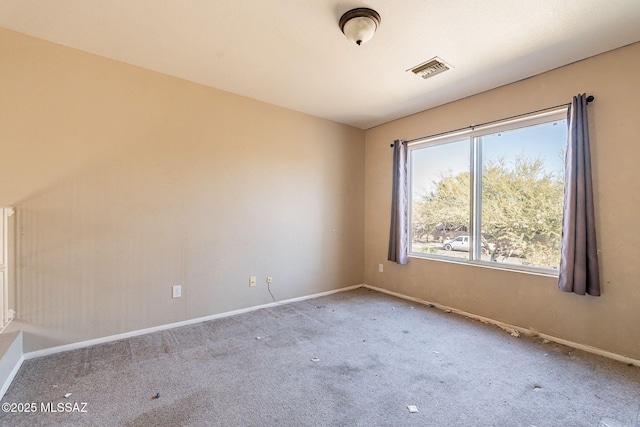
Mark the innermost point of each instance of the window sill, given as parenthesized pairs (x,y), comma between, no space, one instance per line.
(490,265)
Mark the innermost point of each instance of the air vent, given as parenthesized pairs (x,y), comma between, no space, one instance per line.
(430,68)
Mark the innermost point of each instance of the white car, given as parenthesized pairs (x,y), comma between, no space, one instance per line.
(461,243)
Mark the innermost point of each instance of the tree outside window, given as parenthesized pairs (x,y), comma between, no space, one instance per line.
(501,189)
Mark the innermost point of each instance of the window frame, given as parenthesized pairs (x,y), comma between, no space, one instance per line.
(472,134)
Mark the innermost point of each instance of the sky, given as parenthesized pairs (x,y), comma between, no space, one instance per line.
(546,141)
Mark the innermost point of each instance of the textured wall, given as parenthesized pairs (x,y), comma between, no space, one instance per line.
(127,182)
(611,322)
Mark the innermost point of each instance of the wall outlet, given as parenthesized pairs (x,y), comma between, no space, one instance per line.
(269,279)
(177,291)
(380,268)
(252,281)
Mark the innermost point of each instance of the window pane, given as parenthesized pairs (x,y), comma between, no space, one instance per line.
(522,195)
(440,199)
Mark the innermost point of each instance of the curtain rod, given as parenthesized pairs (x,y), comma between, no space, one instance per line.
(590,98)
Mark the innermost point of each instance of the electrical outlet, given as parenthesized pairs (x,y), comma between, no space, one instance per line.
(252,281)
(269,279)
(177,291)
(380,268)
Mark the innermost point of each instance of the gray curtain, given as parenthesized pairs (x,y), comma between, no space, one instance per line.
(399,232)
(579,271)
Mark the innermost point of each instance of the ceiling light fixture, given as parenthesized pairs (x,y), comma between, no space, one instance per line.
(360,24)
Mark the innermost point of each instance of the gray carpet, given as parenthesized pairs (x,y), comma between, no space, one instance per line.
(356,358)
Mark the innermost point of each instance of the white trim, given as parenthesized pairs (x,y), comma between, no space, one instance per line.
(472,134)
(5,213)
(510,123)
(440,139)
(510,328)
(544,272)
(506,326)
(533,119)
(11,376)
(11,317)
(82,344)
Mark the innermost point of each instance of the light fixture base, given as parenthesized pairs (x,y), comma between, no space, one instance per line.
(359,25)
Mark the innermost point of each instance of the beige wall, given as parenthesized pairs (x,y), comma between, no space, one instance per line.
(610,322)
(127,182)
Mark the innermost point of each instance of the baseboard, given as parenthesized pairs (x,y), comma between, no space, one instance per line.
(11,359)
(82,344)
(508,327)
(511,328)
(11,376)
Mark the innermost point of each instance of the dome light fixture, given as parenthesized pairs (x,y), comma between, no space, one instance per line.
(360,24)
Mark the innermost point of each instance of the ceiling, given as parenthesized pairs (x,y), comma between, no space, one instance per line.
(291,53)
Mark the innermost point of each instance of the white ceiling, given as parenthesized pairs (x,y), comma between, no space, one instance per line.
(291,52)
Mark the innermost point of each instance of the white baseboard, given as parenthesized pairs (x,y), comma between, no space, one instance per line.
(507,327)
(11,376)
(511,328)
(11,359)
(82,344)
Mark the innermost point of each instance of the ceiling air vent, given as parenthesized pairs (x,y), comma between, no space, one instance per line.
(430,68)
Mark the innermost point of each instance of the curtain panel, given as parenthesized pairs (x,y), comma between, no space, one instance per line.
(399,231)
(579,272)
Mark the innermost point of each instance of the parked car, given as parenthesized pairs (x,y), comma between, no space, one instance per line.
(461,243)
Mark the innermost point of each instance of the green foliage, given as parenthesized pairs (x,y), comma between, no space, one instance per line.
(521,210)
(430,250)
(448,205)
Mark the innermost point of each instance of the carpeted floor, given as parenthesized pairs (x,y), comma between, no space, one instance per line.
(357,358)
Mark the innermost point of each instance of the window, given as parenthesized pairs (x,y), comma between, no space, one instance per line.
(492,194)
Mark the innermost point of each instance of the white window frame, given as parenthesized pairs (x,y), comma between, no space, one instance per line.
(475,171)
(6,314)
